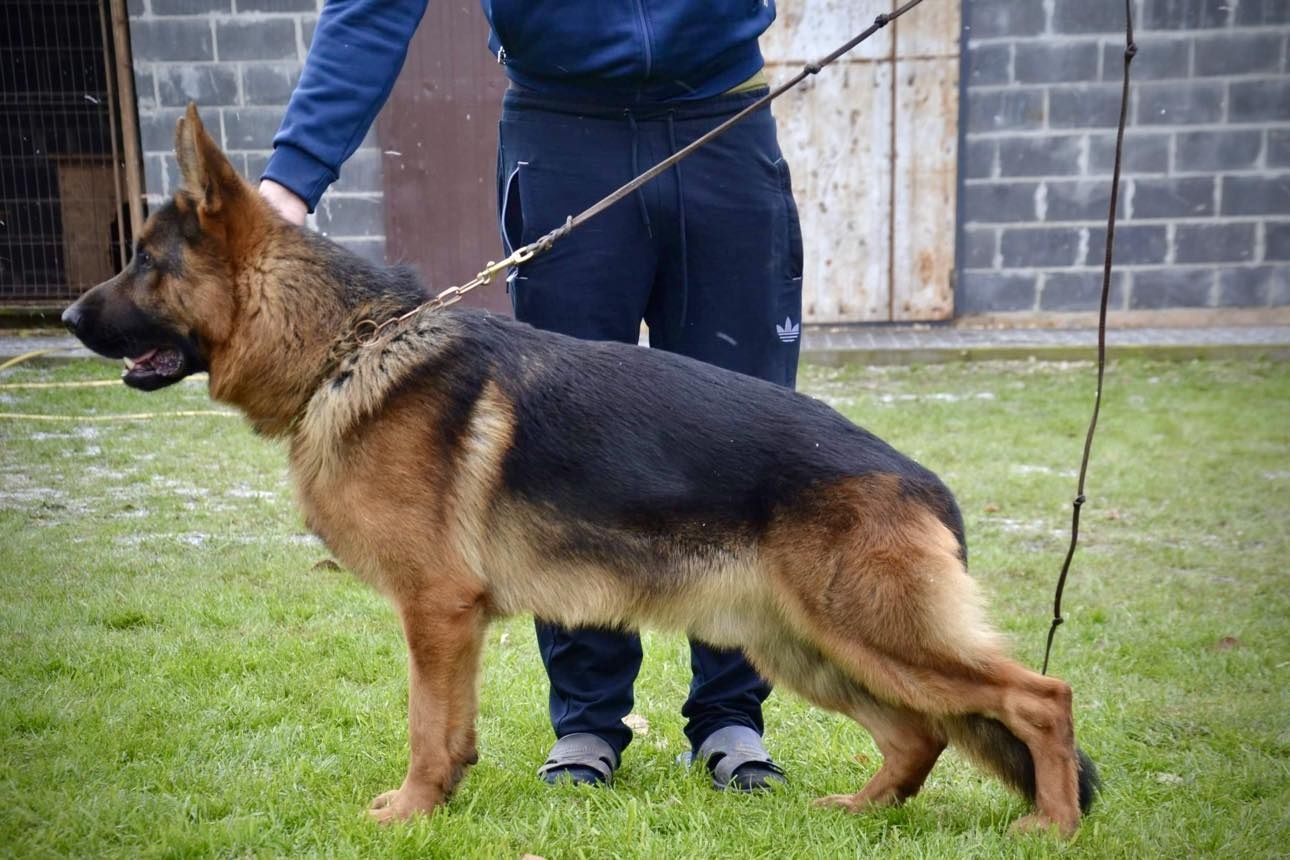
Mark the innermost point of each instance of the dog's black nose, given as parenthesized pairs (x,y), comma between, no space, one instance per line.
(72,318)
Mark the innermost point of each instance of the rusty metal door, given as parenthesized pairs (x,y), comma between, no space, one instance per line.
(439,137)
(873,144)
(877,211)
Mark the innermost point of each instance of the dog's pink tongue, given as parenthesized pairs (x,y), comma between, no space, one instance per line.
(141,359)
(132,363)
(166,362)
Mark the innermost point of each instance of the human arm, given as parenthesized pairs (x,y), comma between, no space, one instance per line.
(286,201)
(357,51)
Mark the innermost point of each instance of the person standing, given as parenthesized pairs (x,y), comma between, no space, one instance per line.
(708,255)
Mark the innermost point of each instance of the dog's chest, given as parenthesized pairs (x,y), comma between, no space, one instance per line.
(360,534)
(330,521)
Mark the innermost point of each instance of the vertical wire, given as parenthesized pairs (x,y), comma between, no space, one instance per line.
(1130,50)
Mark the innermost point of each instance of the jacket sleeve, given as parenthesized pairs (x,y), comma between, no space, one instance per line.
(357,51)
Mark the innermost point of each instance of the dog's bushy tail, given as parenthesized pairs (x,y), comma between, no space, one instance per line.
(988,742)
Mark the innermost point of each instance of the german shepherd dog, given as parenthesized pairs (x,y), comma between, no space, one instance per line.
(470,467)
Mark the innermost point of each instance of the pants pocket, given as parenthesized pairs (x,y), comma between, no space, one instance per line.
(792,226)
(510,221)
(510,214)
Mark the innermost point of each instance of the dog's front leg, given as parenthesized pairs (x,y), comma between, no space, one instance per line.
(444,626)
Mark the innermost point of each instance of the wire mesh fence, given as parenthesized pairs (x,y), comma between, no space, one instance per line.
(64,222)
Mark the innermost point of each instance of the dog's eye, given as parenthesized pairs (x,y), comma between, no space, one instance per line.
(142,259)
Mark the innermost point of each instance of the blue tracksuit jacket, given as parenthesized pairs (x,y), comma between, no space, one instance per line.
(614,51)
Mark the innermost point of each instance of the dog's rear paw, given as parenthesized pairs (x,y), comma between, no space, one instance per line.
(401,804)
(1040,823)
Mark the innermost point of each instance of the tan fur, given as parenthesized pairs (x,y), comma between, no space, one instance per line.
(886,597)
(898,579)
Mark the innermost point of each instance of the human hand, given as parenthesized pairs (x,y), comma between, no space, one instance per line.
(284,200)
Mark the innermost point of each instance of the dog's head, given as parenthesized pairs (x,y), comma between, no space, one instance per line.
(174,303)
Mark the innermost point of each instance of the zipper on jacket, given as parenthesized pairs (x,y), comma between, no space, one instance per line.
(645,34)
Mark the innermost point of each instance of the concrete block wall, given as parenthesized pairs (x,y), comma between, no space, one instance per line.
(1206,192)
(239,60)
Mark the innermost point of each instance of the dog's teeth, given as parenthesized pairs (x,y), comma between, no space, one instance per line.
(129,363)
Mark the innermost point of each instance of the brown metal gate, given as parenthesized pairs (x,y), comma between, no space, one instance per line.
(877,211)
(66,218)
(439,137)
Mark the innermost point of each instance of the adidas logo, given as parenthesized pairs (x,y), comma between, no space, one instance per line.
(788,332)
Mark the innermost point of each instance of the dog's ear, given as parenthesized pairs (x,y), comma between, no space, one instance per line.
(208,176)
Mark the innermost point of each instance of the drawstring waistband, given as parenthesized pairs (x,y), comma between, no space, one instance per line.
(717,108)
(641,204)
(636,171)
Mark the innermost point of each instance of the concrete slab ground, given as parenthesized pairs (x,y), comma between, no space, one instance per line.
(910,345)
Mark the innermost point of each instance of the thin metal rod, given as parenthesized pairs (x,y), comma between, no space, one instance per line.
(118,191)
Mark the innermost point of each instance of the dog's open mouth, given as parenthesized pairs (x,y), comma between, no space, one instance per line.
(155,368)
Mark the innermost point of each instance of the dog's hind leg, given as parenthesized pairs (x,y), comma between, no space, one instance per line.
(444,626)
(1037,712)
(909,747)
(875,580)
(909,743)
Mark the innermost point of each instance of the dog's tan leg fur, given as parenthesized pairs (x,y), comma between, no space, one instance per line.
(908,743)
(875,582)
(402,532)
(909,750)
(444,625)
(1038,711)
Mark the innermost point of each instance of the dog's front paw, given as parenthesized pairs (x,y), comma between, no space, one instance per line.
(401,804)
(862,801)
(847,802)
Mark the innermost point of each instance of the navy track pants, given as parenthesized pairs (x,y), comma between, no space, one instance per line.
(709,255)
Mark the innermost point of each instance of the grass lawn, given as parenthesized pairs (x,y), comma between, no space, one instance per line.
(180,676)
